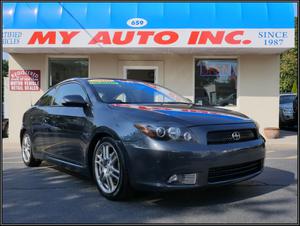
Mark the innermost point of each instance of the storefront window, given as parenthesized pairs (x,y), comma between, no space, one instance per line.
(145,75)
(61,69)
(215,81)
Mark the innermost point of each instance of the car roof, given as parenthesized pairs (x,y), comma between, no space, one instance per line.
(288,94)
(81,79)
(104,78)
(114,79)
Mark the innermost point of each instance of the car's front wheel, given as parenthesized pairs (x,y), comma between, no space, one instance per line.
(27,155)
(109,169)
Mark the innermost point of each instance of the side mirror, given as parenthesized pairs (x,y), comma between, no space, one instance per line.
(74,101)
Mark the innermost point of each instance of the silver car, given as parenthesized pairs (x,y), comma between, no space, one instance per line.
(286,112)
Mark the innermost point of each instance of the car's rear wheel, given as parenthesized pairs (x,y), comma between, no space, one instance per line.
(5,131)
(27,155)
(109,169)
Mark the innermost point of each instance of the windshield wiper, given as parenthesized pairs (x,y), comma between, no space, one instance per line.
(174,103)
(151,103)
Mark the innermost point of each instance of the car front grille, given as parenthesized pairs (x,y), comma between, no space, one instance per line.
(232,172)
(223,137)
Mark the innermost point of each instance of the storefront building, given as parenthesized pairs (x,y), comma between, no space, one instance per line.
(221,54)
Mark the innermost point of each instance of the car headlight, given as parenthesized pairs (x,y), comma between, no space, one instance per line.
(165,132)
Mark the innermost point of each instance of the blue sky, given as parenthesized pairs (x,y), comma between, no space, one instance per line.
(5,55)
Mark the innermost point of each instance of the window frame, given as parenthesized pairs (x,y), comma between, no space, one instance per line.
(48,91)
(56,87)
(141,67)
(71,82)
(220,57)
(47,65)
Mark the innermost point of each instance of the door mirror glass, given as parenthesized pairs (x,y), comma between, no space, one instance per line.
(74,101)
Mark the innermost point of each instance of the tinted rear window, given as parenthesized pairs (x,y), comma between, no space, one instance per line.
(287,99)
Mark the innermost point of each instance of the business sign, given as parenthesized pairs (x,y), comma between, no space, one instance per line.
(149,38)
(24,80)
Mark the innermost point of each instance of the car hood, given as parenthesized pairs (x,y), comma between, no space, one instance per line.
(190,115)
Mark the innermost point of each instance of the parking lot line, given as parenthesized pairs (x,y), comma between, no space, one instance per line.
(16,157)
(283,158)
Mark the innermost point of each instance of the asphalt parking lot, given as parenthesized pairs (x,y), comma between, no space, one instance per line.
(49,194)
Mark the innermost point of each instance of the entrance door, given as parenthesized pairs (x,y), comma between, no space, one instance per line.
(145,74)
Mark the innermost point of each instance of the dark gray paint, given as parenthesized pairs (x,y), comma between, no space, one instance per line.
(63,135)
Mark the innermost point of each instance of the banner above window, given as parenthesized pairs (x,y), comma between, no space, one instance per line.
(148,25)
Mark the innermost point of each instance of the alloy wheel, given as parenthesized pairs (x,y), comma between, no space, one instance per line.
(107,168)
(26,148)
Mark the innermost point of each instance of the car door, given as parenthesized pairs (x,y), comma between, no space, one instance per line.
(69,138)
(41,126)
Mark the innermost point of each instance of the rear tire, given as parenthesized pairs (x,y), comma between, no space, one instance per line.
(5,131)
(110,171)
(27,155)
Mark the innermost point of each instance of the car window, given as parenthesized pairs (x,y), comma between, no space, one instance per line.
(68,89)
(46,100)
(126,91)
(287,99)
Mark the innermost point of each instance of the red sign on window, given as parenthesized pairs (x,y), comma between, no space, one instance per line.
(24,80)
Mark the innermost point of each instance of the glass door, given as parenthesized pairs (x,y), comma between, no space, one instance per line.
(140,74)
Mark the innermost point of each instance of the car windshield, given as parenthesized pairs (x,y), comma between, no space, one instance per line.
(287,99)
(126,91)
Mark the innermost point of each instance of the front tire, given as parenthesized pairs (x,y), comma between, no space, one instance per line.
(110,171)
(27,155)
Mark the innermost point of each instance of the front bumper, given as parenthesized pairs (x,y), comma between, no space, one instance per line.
(150,168)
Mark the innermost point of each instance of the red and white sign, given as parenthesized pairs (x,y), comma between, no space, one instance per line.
(149,38)
(24,80)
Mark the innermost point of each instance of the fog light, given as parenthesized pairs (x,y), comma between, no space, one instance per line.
(183,179)
(187,136)
(173,179)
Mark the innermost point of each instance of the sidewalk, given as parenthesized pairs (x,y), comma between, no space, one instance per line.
(286,137)
(9,145)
